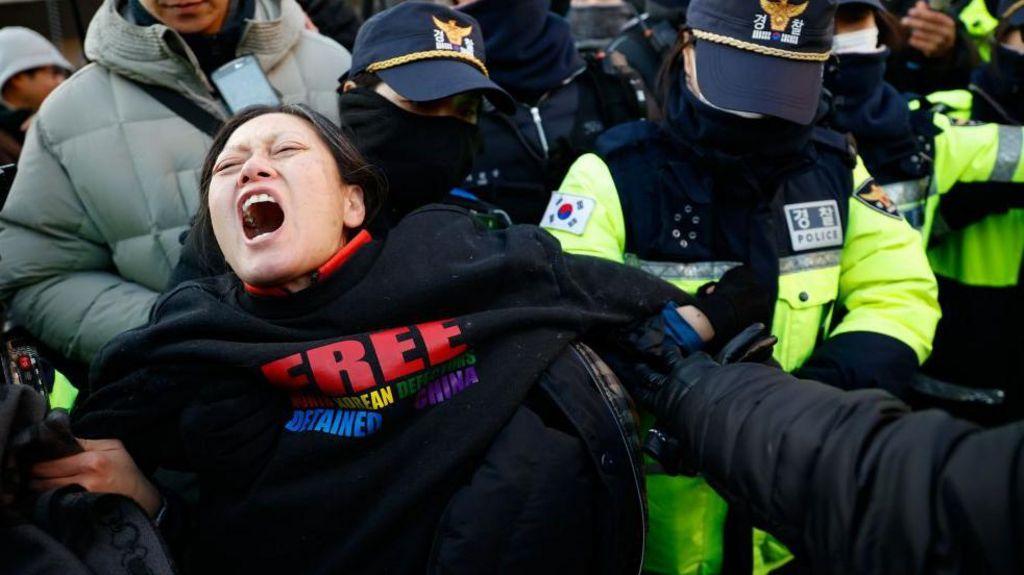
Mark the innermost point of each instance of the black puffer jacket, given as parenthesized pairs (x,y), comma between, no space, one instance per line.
(853,482)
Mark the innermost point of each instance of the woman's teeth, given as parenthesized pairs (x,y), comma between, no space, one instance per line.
(256,198)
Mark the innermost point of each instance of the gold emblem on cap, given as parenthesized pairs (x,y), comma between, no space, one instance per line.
(452,30)
(781,12)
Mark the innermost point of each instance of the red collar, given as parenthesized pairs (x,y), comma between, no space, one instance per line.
(323,272)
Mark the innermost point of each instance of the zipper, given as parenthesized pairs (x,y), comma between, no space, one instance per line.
(535,112)
(637,476)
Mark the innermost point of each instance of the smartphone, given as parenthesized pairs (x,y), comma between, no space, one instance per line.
(242,83)
(940,5)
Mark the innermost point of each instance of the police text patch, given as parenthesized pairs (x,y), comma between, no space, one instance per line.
(814,225)
(873,196)
(568,213)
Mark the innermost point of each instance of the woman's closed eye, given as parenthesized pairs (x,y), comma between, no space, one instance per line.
(226,164)
(288,148)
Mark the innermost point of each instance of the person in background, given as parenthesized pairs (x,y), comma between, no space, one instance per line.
(739,186)
(563,103)
(595,23)
(976,250)
(922,159)
(399,120)
(644,46)
(108,177)
(30,68)
(938,54)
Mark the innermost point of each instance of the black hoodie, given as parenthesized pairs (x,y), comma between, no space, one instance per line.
(330,428)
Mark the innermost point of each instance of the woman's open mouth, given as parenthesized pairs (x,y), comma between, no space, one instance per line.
(261,215)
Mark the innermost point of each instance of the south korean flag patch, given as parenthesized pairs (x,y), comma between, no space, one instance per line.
(814,225)
(568,213)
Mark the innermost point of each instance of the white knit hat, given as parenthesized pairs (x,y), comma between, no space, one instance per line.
(22,49)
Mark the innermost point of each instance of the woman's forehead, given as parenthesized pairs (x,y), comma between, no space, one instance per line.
(269,128)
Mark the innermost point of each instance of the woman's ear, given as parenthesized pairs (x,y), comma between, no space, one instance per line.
(348,85)
(355,207)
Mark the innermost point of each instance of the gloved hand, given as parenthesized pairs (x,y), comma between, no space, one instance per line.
(733,303)
(662,390)
(48,439)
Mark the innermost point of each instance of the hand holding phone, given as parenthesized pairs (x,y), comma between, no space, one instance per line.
(932,31)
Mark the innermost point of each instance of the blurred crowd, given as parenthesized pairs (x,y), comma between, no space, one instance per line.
(467,286)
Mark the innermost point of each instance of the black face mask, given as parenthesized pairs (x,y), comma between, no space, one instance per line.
(1010,67)
(421,157)
(718,134)
(1003,80)
(877,115)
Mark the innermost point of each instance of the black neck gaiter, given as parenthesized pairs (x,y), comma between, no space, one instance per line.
(759,149)
(1002,83)
(868,107)
(530,51)
(421,157)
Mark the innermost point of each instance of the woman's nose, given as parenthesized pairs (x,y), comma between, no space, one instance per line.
(255,169)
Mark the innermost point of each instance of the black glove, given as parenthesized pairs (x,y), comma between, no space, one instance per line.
(737,301)
(45,440)
(663,389)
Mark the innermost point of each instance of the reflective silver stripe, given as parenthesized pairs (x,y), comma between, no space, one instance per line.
(703,271)
(811,261)
(1009,154)
(713,271)
(909,192)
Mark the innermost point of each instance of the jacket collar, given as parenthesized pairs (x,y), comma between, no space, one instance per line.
(323,272)
(157,54)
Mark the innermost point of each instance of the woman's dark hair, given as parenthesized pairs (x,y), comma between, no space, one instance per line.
(352,167)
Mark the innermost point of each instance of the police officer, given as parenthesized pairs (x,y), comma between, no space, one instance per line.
(976,249)
(645,43)
(563,103)
(918,156)
(738,174)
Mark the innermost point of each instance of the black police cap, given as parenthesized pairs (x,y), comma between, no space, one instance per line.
(763,56)
(425,52)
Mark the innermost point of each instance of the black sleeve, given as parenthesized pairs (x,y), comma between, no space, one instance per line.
(335,19)
(853,482)
(862,360)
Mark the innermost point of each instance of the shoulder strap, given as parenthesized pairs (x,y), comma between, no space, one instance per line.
(183,107)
